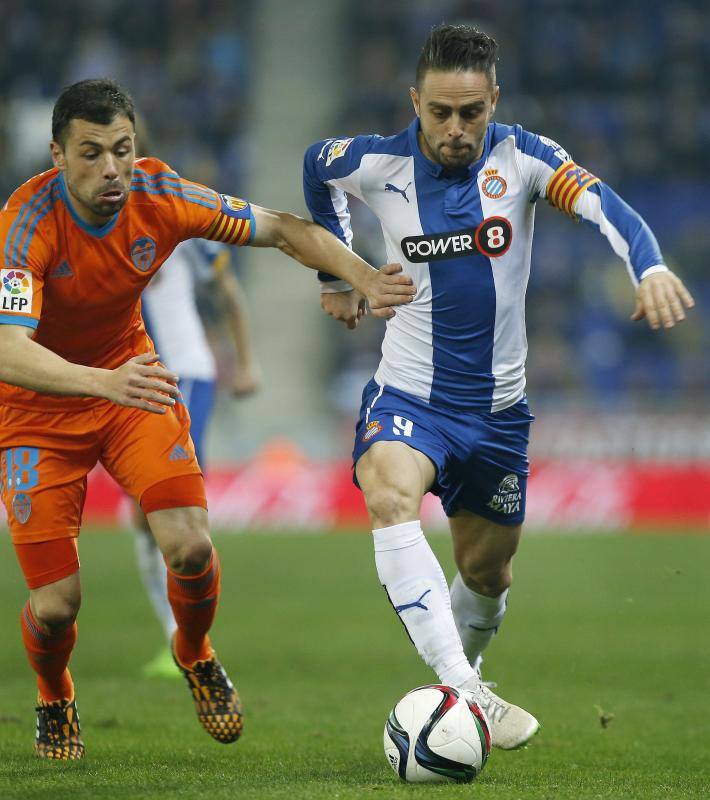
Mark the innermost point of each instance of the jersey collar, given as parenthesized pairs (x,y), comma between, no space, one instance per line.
(99,231)
(437,170)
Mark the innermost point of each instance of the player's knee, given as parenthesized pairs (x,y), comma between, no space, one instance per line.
(391,505)
(191,555)
(55,613)
(490,580)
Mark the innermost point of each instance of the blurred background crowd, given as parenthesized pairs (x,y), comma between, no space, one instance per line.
(624,89)
(185,63)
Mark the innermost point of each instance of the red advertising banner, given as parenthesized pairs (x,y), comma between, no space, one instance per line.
(283,490)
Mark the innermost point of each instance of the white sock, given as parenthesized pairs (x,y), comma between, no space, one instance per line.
(477,618)
(416,587)
(154,575)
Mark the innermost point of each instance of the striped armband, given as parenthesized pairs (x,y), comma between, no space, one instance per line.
(566,186)
(234,223)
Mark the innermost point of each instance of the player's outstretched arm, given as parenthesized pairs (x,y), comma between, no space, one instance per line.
(317,248)
(661,298)
(139,382)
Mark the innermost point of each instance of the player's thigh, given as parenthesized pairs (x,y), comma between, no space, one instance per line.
(483,551)
(198,398)
(141,450)
(488,473)
(395,466)
(43,489)
(397,453)
(394,477)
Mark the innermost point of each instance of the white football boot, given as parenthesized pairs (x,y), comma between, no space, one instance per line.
(511,726)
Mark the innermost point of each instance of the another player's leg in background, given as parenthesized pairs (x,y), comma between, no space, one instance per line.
(154,574)
(483,552)
(394,478)
(193,581)
(49,632)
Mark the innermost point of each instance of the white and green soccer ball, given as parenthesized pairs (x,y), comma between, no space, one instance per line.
(436,734)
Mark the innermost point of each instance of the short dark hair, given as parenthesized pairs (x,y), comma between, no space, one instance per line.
(95,100)
(453,48)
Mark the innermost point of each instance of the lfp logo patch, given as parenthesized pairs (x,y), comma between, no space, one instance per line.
(143,253)
(337,149)
(15,291)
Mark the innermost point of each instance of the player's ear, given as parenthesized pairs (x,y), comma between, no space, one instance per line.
(414,94)
(494,103)
(57,153)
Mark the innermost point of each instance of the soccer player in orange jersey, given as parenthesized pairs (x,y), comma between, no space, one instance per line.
(80,382)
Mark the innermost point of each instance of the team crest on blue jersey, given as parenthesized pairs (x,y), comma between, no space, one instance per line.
(337,149)
(494,186)
(143,253)
(373,428)
(22,507)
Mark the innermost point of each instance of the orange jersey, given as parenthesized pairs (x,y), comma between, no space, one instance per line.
(78,285)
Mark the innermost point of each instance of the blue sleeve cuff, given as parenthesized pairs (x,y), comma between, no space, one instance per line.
(252,226)
(9,319)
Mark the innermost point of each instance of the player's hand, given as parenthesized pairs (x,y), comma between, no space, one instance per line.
(348,307)
(247,380)
(387,287)
(142,383)
(660,298)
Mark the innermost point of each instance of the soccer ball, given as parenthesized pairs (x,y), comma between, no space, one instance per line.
(435,734)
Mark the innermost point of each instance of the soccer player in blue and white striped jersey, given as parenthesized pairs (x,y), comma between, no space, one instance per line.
(446,411)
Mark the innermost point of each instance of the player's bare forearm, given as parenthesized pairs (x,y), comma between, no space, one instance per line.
(317,248)
(237,317)
(139,382)
(27,364)
(310,244)
(247,377)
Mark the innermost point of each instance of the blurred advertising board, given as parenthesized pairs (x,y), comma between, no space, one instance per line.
(281,489)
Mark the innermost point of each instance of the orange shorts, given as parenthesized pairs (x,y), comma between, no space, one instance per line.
(45,458)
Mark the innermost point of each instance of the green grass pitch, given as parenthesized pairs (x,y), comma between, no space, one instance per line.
(597,625)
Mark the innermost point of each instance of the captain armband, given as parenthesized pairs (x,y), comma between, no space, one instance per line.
(566,185)
(234,223)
